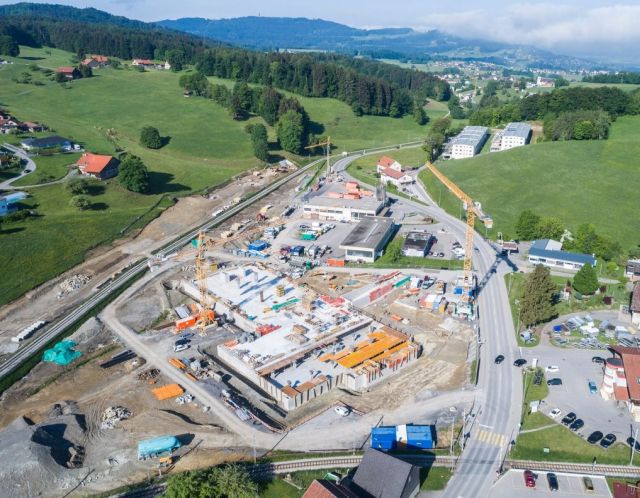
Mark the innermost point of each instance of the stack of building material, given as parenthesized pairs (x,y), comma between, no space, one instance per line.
(167,392)
(112,415)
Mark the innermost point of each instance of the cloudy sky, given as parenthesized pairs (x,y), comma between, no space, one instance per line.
(579,27)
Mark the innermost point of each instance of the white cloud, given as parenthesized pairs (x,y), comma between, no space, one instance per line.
(548,25)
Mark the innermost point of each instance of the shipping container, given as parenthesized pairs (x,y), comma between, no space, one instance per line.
(150,448)
(185,323)
(335,262)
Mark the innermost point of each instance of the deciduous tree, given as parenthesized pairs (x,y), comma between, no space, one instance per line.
(150,138)
(527,225)
(133,174)
(586,280)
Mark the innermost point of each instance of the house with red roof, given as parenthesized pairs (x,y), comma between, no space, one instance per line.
(387,162)
(96,61)
(621,380)
(98,166)
(71,73)
(323,488)
(142,62)
(634,308)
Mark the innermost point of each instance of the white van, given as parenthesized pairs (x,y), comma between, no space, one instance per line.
(180,347)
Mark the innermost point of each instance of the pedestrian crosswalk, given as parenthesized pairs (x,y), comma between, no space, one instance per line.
(491,438)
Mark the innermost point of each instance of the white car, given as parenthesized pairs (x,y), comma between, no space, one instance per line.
(555,413)
(552,368)
(343,411)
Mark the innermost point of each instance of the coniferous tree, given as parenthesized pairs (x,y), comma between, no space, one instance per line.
(537,301)
(586,280)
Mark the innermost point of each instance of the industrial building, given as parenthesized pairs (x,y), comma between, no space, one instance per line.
(417,244)
(549,253)
(469,142)
(367,240)
(337,201)
(515,135)
(52,142)
(298,345)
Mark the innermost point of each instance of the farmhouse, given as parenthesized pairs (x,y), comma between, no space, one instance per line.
(545,82)
(96,61)
(98,166)
(71,73)
(387,162)
(549,253)
(367,240)
(142,62)
(31,127)
(417,244)
(52,142)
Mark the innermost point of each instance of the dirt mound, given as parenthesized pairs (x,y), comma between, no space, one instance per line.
(40,457)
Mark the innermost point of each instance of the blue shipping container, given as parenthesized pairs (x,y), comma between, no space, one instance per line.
(419,436)
(258,245)
(383,438)
(150,448)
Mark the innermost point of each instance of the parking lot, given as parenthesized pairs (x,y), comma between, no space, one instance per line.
(333,238)
(575,370)
(512,484)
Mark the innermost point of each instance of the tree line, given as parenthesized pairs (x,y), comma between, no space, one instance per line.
(368,87)
(623,77)
(293,126)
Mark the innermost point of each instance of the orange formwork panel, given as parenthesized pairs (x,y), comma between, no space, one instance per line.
(177,363)
(167,392)
(191,376)
(368,352)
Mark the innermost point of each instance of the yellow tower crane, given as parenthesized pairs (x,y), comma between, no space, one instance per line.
(328,144)
(205,314)
(470,208)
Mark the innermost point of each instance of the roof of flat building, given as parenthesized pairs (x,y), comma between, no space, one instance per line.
(417,240)
(521,130)
(368,233)
(471,135)
(323,198)
(546,248)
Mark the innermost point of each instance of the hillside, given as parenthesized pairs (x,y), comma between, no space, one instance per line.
(205,147)
(267,33)
(578,182)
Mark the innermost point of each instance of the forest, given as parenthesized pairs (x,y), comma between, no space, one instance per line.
(613,78)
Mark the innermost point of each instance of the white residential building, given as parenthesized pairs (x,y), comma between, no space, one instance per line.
(515,135)
(469,142)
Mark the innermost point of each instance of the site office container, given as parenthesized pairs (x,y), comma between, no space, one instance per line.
(185,323)
(150,448)
(335,262)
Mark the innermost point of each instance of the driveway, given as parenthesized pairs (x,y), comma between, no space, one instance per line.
(512,484)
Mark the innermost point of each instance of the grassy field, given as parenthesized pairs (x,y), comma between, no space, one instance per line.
(565,446)
(48,169)
(435,478)
(204,147)
(578,182)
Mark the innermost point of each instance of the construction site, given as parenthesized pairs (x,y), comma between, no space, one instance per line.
(263,319)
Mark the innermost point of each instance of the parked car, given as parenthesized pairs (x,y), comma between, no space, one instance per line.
(577,425)
(552,368)
(588,483)
(552,480)
(595,437)
(180,347)
(519,362)
(593,389)
(554,382)
(555,413)
(597,359)
(499,359)
(632,442)
(569,418)
(608,440)
(529,479)
(343,411)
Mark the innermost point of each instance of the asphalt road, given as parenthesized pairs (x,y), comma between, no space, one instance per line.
(500,398)
(31,165)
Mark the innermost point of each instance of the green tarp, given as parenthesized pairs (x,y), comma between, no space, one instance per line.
(62,353)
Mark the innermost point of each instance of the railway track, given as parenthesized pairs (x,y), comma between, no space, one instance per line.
(57,327)
(575,468)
